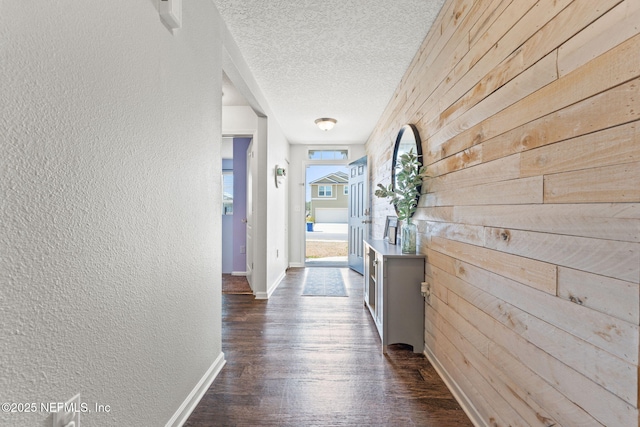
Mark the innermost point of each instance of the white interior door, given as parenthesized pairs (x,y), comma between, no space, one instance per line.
(358,213)
(249,219)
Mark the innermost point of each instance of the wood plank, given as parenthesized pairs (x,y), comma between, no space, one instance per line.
(504,345)
(522,381)
(612,373)
(535,274)
(443,214)
(616,184)
(495,46)
(497,309)
(608,333)
(577,16)
(611,296)
(471,234)
(477,368)
(482,405)
(616,106)
(612,146)
(478,106)
(602,220)
(441,261)
(602,405)
(609,70)
(504,169)
(500,76)
(439,53)
(461,65)
(469,157)
(580,122)
(438,291)
(620,260)
(489,16)
(439,311)
(613,28)
(523,191)
(608,371)
(445,53)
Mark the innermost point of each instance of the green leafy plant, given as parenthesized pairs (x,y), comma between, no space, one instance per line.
(404,196)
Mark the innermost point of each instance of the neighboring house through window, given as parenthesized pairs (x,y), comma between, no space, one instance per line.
(329,198)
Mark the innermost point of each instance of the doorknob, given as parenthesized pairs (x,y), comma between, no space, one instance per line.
(244,220)
(367,221)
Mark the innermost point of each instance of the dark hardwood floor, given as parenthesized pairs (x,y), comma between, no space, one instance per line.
(316,361)
(235,285)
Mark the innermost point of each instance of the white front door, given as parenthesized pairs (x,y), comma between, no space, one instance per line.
(358,213)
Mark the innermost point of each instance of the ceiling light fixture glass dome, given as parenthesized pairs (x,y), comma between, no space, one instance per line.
(326,123)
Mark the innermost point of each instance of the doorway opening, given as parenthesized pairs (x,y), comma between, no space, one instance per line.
(327,213)
(235,186)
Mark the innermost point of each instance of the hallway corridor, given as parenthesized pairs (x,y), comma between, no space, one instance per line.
(298,360)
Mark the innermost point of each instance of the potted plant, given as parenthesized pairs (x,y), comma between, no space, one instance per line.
(404,195)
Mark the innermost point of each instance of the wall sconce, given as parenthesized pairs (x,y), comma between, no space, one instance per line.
(326,123)
(281,173)
(171,13)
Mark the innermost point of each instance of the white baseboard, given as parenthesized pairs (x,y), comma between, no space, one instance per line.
(192,400)
(457,392)
(238,273)
(277,282)
(272,288)
(296,265)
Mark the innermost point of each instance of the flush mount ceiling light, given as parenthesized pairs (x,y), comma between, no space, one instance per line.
(325,123)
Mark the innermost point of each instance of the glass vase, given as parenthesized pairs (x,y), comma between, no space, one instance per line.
(409,232)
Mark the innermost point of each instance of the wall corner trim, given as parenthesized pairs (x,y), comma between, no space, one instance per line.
(192,400)
(457,392)
(272,288)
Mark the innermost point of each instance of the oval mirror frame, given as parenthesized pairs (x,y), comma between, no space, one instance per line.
(408,138)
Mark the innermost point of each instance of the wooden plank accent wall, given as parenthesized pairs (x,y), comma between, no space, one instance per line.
(529,114)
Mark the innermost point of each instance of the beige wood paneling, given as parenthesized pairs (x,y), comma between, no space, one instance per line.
(620,260)
(537,274)
(598,185)
(611,146)
(613,374)
(523,382)
(611,296)
(529,113)
(610,221)
(613,28)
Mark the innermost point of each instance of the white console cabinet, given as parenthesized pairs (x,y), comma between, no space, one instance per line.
(392,293)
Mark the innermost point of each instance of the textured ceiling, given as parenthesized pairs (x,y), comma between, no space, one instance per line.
(331,58)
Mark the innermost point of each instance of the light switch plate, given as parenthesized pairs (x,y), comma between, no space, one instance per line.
(171,13)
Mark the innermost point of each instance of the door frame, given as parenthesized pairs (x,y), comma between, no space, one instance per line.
(305,164)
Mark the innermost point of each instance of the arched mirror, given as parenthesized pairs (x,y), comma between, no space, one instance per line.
(408,140)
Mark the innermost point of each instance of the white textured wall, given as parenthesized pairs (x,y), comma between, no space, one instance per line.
(238,121)
(109,213)
(276,208)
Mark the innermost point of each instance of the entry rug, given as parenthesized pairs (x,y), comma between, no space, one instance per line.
(324,282)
